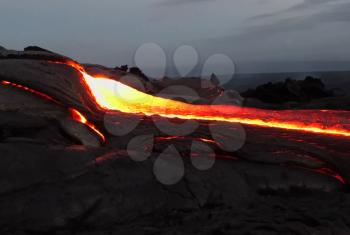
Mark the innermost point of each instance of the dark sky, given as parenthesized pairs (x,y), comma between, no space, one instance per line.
(271,35)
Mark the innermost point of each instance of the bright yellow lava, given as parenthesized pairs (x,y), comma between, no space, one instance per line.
(113,95)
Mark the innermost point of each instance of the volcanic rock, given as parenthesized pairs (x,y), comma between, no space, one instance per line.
(79,189)
(205,92)
(28,117)
(36,48)
(34,53)
(214,80)
(57,178)
(61,82)
(290,90)
(136,71)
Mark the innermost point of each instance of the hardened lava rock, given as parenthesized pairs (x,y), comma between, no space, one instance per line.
(58,177)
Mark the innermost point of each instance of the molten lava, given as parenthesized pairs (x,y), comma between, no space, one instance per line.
(114,95)
(76,115)
(24,88)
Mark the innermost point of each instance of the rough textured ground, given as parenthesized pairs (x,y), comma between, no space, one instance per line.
(57,177)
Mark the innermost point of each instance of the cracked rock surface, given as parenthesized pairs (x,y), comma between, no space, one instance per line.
(57,177)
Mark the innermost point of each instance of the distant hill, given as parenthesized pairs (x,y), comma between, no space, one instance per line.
(290,90)
(332,80)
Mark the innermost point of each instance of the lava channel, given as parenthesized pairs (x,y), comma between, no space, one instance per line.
(110,94)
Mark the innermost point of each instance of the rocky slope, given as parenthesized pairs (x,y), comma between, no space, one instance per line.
(59,177)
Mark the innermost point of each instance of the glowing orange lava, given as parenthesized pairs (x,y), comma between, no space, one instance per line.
(113,95)
(37,93)
(76,115)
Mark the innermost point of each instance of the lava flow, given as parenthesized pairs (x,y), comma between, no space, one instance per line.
(76,115)
(114,95)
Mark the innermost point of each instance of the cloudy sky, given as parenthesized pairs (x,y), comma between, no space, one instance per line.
(258,35)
